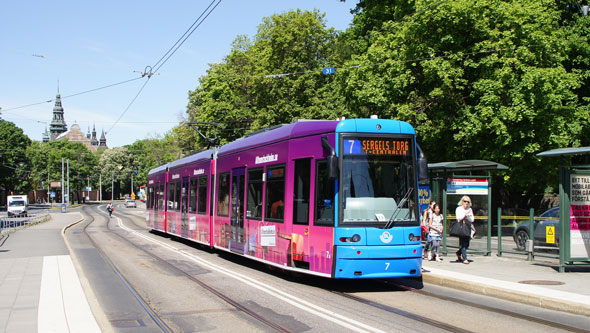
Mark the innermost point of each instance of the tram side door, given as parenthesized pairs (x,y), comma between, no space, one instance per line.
(184,208)
(237,210)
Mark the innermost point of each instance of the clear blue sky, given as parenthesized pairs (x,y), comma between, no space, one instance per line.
(91,44)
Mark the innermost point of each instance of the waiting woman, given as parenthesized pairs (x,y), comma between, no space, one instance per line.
(464,214)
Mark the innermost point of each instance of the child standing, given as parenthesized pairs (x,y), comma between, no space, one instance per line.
(436,229)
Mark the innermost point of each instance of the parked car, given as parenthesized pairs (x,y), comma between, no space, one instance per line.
(551,218)
(130,203)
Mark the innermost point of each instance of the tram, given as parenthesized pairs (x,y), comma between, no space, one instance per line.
(336,199)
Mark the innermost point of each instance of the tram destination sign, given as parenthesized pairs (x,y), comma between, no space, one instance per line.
(377,146)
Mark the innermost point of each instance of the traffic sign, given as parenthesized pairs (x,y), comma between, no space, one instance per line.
(329,70)
(550,234)
(52,194)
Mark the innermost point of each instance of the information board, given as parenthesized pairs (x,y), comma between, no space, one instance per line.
(579,216)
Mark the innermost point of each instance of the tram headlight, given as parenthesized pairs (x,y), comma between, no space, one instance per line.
(354,239)
(414,238)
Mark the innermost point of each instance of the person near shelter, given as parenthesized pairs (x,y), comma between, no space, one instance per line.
(426,215)
(464,214)
(435,225)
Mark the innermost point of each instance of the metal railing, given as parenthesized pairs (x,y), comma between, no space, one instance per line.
(500,238)
(9,224)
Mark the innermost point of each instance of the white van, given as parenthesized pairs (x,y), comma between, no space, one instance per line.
(17,205)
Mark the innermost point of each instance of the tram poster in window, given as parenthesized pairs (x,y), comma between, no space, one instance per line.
(377,146)
(580,216)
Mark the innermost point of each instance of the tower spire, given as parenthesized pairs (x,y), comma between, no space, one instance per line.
(58,124)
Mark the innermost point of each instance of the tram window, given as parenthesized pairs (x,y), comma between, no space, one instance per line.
(324,195)
(202,207)
(212,201)
(185,189)
(301,191)
(150,197)
(254,197)
(193,195)
(161,198)
(177,197)
(275,193)
(171,188)
(223,197)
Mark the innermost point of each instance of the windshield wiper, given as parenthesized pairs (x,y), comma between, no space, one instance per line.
(397,209)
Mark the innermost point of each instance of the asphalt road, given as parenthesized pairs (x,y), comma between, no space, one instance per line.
(193,289)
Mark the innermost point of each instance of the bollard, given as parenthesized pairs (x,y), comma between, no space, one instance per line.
(63,208)
(528,247)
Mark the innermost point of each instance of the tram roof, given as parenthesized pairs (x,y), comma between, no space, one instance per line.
(293,130)
(466,165)
(203,155)
(565,151)
(159,169)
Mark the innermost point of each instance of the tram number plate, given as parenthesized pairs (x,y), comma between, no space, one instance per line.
(387,266)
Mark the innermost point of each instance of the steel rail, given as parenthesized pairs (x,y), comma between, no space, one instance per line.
(206,286)
(151,312)
(488,308)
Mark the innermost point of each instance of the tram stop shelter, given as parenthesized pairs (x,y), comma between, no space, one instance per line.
(452,180)
(574,196)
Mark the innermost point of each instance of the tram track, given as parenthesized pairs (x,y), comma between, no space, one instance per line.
(388,284)
(484,307)
(153,314)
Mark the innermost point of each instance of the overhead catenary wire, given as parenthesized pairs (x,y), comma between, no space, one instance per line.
(185,36)
(181,37)
(72,95)
(169,54)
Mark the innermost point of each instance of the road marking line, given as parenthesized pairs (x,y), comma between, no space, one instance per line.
(62,304)
(293,300)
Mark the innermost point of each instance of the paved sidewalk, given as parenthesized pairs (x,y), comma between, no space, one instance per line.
(40,290)
(530,282)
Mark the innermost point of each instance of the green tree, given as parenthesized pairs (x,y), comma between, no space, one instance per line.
(13,159)
(275,78)
(46,164)
(478,80)
(150,153)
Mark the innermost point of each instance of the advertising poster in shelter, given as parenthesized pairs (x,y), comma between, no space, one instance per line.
(580,216)
(424,196)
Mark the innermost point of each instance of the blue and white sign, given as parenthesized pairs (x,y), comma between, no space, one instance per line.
(329,70)
(467,186)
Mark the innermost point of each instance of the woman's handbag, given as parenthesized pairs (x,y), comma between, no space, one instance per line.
(460,229)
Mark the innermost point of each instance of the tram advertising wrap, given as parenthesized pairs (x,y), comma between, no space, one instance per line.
(337,199)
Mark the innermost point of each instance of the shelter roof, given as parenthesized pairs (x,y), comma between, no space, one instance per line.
(466,165)
(565,151)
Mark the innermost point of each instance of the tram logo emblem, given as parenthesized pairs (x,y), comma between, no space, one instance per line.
(386,237)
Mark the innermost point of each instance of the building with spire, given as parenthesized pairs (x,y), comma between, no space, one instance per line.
(58,123)
(58,130)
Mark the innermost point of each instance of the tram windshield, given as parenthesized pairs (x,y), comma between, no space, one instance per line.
(378,182)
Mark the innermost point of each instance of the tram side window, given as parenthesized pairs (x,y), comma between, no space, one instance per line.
(150,197)
(202,207)
(185,189)
(160,205)
(301,191)
(275,193)
(324,195)
(193,195)
(254,197)
(177,197)
(171,202)
(223,197)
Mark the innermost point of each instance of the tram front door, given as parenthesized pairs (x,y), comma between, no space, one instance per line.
(237,213)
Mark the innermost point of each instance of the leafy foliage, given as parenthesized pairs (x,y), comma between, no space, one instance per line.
(13,145)
(46,164)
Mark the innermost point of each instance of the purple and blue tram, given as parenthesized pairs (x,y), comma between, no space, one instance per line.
(336,199)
